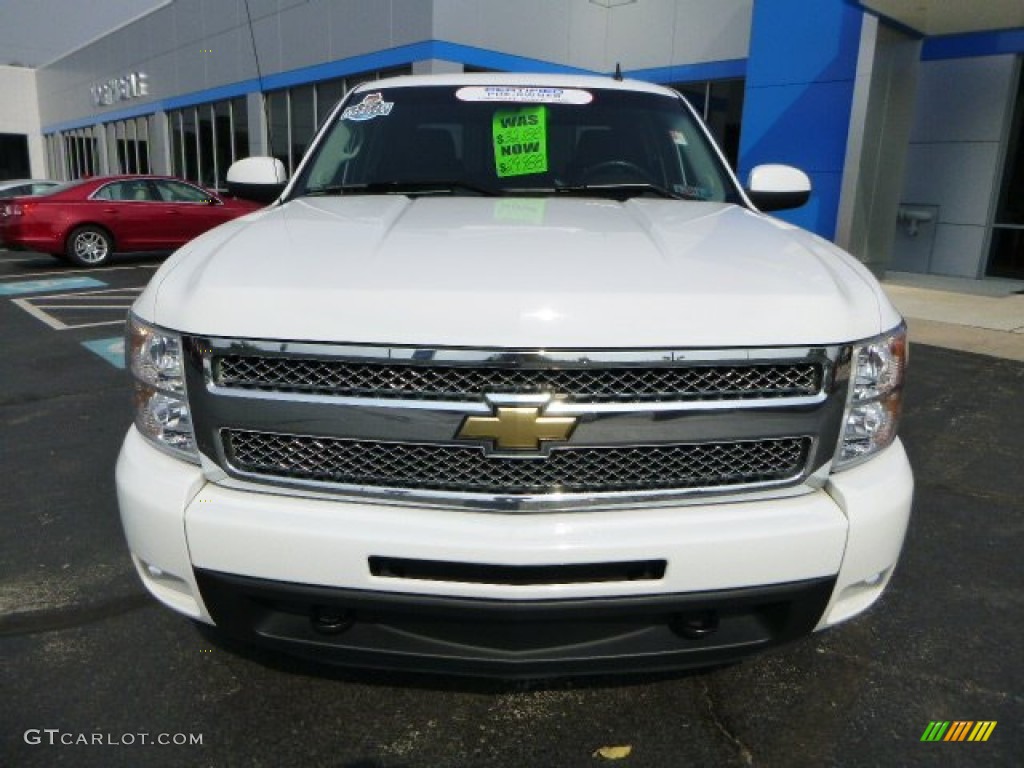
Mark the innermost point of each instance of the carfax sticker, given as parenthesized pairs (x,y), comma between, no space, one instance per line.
(520,141)
(372,105)
(524,94)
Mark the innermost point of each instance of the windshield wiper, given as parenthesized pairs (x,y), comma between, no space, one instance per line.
(623,191)
(333,189)
(431,187)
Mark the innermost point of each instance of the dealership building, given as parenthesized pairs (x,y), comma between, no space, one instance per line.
(908,116)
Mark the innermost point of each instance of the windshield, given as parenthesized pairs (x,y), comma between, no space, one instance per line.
(513,140)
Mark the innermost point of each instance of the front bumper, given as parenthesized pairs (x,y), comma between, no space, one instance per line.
(259,564)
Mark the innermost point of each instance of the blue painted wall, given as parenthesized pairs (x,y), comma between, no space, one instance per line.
(799,91)
(973,44)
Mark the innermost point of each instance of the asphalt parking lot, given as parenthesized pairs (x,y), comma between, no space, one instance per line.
(88,657)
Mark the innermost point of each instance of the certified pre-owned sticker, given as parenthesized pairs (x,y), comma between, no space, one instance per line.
(372,105)
(524,94)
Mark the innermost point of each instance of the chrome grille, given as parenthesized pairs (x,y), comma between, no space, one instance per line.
(426,381)
(467,469)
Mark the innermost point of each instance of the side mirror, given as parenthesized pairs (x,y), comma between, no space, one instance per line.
(260,179)
(774,187)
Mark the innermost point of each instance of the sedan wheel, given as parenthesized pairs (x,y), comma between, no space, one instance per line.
(89,246)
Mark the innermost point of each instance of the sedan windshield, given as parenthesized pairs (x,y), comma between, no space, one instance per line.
(514,140)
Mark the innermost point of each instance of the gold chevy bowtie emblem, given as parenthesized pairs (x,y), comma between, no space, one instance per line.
(517,429)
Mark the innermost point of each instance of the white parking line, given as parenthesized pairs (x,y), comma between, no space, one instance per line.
(93,272)
(37,306)
(99,294)
(38,314)
(84,306)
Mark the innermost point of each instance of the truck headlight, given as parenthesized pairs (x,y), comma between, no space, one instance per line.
(872,413)
(154,358)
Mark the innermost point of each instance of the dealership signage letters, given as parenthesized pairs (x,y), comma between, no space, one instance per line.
(130,86)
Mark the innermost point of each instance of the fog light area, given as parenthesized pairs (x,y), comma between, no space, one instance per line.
(857,597)
(168,588)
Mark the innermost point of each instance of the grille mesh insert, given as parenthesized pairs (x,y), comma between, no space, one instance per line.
(456,382)
(467,469)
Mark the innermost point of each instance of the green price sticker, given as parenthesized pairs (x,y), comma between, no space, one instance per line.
(520,141)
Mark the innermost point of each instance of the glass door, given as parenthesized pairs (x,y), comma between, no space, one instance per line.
(1006,253)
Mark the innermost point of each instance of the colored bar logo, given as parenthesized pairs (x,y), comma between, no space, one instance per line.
(958,730)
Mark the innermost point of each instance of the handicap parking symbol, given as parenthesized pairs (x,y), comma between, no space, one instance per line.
(111,350)
(52,284)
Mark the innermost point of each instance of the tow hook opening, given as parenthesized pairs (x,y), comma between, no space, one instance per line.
(696,625)
(328,620)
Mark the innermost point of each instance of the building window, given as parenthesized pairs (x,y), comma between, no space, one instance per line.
(207,139)
(302,122)
(277,127)
(14,156)
(720,104)
(81,153)
(223,152)
(119,159)
(77,154)
(205,147)
(142,147)
(53,156)
(174,134)
(189,145)
(127,144)
(328,94)
(1006,252)
(239,129)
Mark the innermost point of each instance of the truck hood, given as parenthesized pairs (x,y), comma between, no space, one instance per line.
(516,273)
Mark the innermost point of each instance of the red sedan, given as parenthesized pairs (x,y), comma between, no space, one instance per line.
(86,221)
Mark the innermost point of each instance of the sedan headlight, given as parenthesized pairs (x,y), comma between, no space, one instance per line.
(877,369)
(154,358)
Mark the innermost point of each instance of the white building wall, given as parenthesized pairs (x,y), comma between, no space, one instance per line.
(597,34)
(20,113)
(954,163)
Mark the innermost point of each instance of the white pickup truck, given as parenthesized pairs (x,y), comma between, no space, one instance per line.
(514,378)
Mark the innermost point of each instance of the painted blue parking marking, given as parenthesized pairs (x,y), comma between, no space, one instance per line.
(53,284)
(111,350)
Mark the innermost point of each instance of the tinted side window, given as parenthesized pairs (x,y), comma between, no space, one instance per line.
(109,192)
(134,191)
(179,192)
